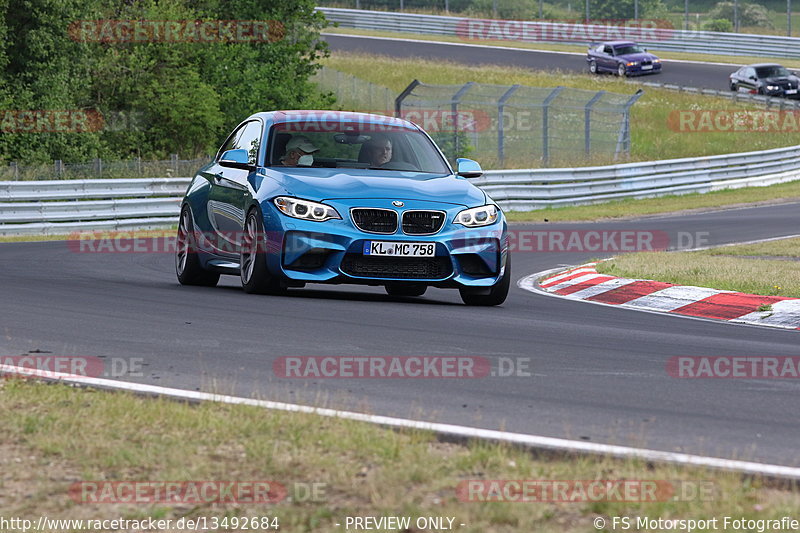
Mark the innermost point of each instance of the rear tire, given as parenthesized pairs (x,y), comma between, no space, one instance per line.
(256,278)
(406,289)
(496,296)
(187,261)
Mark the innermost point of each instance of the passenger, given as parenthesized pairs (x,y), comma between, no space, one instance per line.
(299,152)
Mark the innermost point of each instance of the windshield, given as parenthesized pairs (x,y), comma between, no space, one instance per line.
(772,71)
(343,145)
(628,49)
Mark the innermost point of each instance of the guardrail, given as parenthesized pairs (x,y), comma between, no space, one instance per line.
(62,207)
(475,30)
(524,190)
(65,206)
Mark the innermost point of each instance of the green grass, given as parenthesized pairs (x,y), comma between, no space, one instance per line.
(653,136)
(55,436)
(735,61)
(777,248)
(722,268)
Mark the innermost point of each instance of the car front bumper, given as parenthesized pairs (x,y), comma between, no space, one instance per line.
(333,251)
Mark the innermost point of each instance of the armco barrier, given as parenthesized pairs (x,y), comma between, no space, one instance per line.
(673,40)
(65,206)
(524,190)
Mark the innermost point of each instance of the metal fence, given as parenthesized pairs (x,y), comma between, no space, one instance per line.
(524,190)
(514,126)
(477,30)
(63,207)
(99,168)
(355,94)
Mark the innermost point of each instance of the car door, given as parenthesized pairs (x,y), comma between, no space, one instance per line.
(609,63)
(230,191)
(748,79)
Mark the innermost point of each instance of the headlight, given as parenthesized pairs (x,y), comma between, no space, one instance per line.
(478,216)
(656,60)
(306,210)
(772,87)
(632,64)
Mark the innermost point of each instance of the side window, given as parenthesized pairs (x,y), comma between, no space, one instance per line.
(750,73)
(250,140)
(230,144)
(608,50)
(599,49)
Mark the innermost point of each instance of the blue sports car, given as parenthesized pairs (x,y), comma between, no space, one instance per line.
(296,197)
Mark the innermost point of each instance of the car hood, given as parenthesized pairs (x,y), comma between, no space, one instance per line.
(337,183)
(639,56)
(780,79)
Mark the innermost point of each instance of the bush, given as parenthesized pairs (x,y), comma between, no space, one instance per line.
(724,25)
(749,14)
(185,95)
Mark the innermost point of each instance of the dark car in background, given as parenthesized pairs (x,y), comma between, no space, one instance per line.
(625,58)
(769,79)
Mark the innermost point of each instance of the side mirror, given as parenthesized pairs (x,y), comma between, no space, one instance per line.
(753,78)
(238,158)
(468,168)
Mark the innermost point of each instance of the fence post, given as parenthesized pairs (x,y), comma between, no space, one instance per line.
(624,138)
(501,156)
(546,125)
(454,109)
(15,166)
(173,161)
(398,102)
(587,122)
(59,167)
(98,167)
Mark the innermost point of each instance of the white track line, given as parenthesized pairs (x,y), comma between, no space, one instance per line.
(530,441)
(515,48)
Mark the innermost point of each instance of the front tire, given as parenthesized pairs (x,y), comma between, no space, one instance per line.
(621,72)
(496,296)
(593,67)
(734,87)
(187,261)
(406,289)
(256,278)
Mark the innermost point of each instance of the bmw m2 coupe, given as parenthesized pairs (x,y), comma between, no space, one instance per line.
(296,197)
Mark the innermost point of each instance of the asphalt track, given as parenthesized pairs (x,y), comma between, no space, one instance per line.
(687,74)
(598,373)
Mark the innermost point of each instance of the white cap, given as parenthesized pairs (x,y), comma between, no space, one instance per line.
(302,143)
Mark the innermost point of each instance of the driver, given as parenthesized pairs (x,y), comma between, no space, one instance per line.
(298,152)
(379,151)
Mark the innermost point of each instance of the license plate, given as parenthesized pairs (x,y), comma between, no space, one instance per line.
(647,67)
(400,249)
(791,91)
